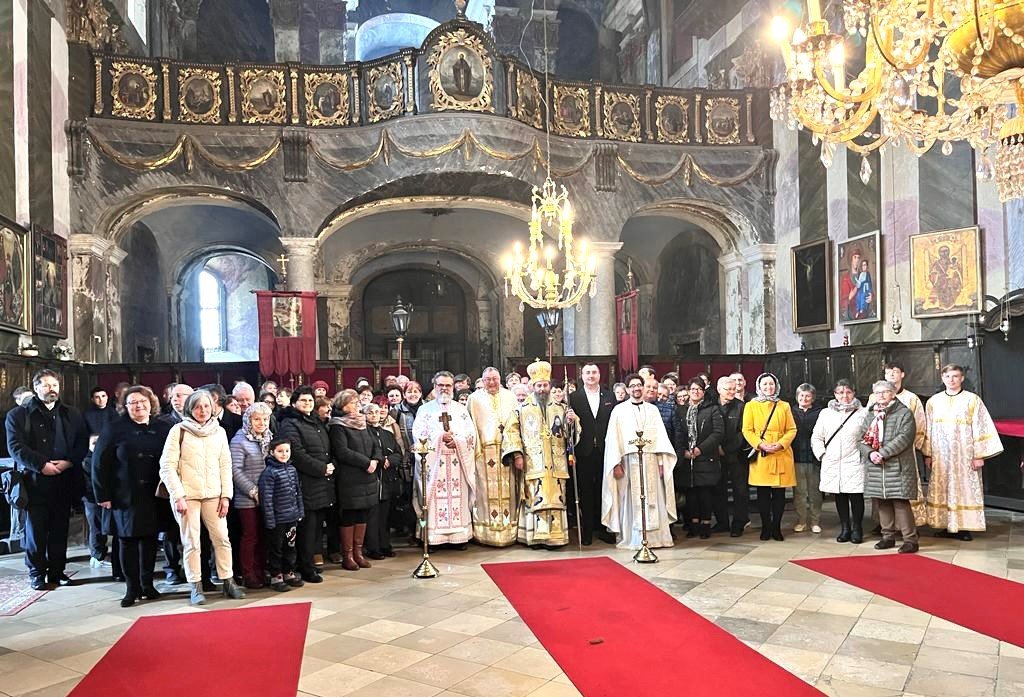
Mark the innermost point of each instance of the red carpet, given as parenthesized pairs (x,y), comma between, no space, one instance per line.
(250,651)
(984,603)
(615,634)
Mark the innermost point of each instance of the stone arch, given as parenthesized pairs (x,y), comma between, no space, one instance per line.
(118,219)
(730,229)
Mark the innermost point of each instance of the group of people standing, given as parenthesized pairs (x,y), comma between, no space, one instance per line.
(251,498)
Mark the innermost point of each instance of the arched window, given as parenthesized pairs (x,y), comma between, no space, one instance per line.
(211,312)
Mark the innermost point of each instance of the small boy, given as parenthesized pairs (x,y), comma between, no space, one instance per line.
(281,501)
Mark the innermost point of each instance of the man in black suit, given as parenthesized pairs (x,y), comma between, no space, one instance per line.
(593,405)
(48,441)
(735,466)
(230,422)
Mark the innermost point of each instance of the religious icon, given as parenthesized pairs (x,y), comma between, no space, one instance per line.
(621,116)
(198,95)
(13,284)
(572,110)
(723,121)
(671,118)
(287,317)
(133,90)
(384,88)
(264,96)
(858,267)
(945,273)
(327,101)
(812,286)
(49,284)
(384,92)
(527,103)
(569,110)
(460,72)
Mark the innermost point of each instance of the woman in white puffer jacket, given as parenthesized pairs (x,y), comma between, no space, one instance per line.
(835,441)
(196,469)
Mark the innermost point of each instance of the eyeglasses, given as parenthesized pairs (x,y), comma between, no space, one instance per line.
(137,403)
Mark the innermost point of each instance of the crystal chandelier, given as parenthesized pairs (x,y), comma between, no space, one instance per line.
(930,71)
(546,276)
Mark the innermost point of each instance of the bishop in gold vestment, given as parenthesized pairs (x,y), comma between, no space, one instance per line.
(498,484)
(535,441)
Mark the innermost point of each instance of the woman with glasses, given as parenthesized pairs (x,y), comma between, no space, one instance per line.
(698,430)
(125,475)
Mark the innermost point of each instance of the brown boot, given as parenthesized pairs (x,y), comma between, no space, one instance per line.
(349,562)
(357,554)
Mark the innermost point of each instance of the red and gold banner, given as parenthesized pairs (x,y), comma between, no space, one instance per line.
(287,321)
(627,311)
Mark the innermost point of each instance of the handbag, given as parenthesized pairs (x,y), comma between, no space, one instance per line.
(754,452)
(12,484)
(161,489)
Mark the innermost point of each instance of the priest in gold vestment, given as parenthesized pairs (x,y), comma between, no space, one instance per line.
(535,442)
(498,487)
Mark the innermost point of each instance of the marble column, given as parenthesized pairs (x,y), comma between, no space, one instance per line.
(112,302)
(88,296)
(301,253)
(759,273)
(994,226)
(580,327)
(787,235)
(486,332)
(339,337)
(648,335)
(331,27)
(284,15)
(838,193)
(511,333)
(900,219)
(20,106)
(602,305)
(732,301)
(58,140)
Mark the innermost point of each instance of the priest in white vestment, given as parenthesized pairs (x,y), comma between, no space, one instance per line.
(960,436)
(498,485)
(446,426)
(620,499)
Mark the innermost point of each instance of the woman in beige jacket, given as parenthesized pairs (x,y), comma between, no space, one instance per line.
(196,469)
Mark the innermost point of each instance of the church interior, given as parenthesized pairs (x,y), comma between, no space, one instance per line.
(820,198)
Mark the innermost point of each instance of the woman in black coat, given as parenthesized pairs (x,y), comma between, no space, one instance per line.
(357,454)
(698,431)
(125,475)
(311,457)
(389,477)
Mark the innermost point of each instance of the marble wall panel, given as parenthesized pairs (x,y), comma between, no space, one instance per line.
(863,215)
(898,177)
(787,234)
(40,136)
(947,201)
(815,217)
(7,190)
(20,102)
(1015,242)
(58,115)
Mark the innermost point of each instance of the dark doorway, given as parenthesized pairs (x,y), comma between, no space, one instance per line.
(437,338)
(686,304)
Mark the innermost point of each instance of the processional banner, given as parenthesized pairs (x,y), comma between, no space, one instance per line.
(287,321)
(626,313)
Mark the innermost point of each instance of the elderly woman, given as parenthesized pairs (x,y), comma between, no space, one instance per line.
(890,465)
(248,460)
(357,455)
(807,495)
(769,428)
(619,390)
(196,469)
(835,443)
(125,475)
(698,432)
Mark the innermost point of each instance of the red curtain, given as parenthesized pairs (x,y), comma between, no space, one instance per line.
(627,308)
(280,355)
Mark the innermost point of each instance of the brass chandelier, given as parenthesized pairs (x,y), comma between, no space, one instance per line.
(929,71)
(545,276)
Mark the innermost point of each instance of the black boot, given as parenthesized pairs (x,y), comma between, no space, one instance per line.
(777,531)
(704,530)
(844,532)
(131,596)
(843,508)
(856,533)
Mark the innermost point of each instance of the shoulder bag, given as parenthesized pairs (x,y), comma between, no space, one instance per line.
(754,452)
(161,488)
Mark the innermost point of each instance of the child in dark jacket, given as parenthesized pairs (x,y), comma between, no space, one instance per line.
(281,500)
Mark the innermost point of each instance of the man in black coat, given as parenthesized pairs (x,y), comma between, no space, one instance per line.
(311,457)
(229,421)
(593,405)
(735,467)
(100,412)
(48,441)
(97,415)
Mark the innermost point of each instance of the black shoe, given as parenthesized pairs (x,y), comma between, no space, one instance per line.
(737,529)
(209,586)
(61,579)
(129,599)
(766,534)
(174,579)
(704,531)
(118,578)
(844,534)
(877,530)
(964,536)
(908,548)
(735,533)
(38,583)
(721,527)
(777,532)
(294,581)
(149,592)
(944,533)
(376,556)
(856,535)
(312,577)
(390,552)
(280,586)
(587,540)
(885,544)
(608,537)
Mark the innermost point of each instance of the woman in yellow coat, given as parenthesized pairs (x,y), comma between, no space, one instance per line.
(771,434)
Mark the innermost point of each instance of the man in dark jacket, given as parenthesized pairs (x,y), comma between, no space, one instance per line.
(735,467)
(100,412)
(48,441)
(593,405)
(229,421)
(311,456)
